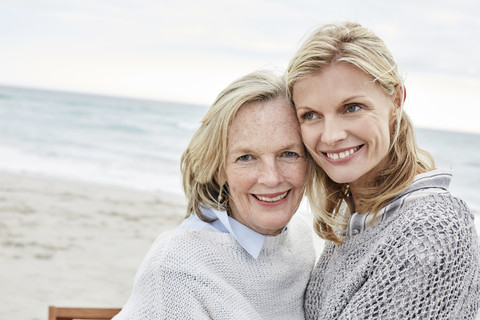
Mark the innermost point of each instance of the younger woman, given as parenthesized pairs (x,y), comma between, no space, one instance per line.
(400,245)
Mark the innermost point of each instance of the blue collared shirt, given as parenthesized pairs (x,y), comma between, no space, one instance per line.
(249,239)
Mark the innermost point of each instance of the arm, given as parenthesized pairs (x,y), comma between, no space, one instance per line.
(161,290)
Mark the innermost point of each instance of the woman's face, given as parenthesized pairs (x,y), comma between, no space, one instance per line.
(345,120)
(266,167)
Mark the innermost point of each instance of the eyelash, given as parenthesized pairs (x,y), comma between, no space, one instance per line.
(356,105)
(311,115)
(287,154)
(242,158)
(290,154)
(306,114)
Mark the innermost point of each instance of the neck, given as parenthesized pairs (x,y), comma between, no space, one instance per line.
(368,180)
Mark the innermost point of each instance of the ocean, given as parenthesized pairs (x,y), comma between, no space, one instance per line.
(138,143)
(109,140)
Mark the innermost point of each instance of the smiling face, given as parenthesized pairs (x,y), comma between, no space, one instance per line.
(345,120)
(266,167)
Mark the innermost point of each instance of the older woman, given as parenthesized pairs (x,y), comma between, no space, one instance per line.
(400,245)
(237,255)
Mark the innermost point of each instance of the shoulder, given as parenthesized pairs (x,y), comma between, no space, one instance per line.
(434,226)
(438,212)
(301,222)
(300,230)
(175,247)
(300,237)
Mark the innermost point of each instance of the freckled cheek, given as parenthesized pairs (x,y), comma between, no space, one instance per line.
(240,181)
(296,173)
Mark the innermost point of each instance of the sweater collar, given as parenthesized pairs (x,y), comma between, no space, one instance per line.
(432,182)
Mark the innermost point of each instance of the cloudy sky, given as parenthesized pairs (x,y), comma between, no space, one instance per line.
(188,51)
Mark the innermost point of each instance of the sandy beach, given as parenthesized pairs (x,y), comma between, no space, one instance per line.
(74,244)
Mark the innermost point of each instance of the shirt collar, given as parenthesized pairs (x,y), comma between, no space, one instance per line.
(432,182)
(248,239)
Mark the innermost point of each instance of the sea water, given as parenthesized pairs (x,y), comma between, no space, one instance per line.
(138,143)
(128,142)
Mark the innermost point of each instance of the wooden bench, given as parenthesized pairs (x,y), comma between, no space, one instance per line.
(58,313)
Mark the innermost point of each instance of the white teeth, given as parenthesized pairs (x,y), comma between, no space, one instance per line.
(277,198)
(343,154)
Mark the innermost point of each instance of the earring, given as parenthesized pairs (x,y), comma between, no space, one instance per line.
(349,198)
(219,201)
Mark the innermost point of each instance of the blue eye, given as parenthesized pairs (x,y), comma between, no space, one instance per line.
(308,116)
(245,157)
(352,108)
(290,154)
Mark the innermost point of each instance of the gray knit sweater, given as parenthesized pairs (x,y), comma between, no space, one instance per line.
(198,274)
(420,262)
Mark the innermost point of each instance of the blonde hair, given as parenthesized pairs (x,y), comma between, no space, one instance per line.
(203,161)
(354,44)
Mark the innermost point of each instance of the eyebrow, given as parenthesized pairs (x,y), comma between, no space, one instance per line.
(243,150)
(344,101)
(349,99)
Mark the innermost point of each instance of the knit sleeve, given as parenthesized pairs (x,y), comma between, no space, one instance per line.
(426,269)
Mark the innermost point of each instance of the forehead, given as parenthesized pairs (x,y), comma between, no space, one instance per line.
(268,120)
(332,75)
(335,84)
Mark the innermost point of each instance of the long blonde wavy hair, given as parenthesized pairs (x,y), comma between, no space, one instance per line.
(351,43)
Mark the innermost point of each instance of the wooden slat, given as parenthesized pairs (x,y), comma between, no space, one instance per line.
(81,313)
(52,313)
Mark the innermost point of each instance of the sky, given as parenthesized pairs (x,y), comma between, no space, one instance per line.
(188,51)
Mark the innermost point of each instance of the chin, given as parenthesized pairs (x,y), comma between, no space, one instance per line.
(276,228)
(341,177)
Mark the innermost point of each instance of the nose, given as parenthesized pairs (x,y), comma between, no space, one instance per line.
(270,173)
(333,131)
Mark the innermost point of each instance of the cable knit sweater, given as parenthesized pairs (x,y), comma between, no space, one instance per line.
(420,262)
(197,274)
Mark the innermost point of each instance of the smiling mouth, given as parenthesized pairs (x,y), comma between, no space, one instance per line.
(343,154)
(272,199)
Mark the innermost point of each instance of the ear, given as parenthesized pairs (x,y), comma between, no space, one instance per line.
(398,99)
